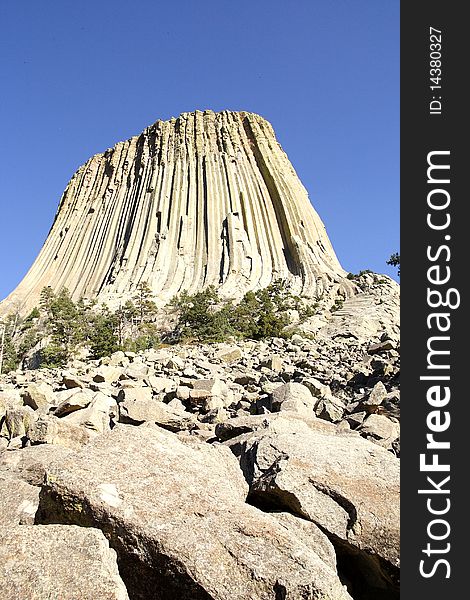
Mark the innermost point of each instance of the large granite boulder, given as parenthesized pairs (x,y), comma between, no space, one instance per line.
(346,485)
(18,500)
(58,562)
(175,512)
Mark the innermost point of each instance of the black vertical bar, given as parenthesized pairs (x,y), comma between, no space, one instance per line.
(433,255)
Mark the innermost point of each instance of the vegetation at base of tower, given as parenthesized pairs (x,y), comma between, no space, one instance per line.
(201,317)
(60,329)
(204,317)
(337,305)
(354,276)
(65,324)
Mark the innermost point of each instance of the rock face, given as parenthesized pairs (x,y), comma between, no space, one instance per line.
(207,198)
(178,520)
(70,563)
(338,482)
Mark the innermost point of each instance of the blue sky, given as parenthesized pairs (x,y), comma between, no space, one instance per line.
(77,77)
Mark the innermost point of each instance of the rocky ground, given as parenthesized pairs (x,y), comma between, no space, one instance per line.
(250,470)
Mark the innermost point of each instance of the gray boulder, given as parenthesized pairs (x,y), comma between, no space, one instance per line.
(175,512)
(18,500)
(73,402)
(346,485)
(38,395)
(295,397)
(59,562)
(49,429)
(380,430)
(17,422)
(97,416)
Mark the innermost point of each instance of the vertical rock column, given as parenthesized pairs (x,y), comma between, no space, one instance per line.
(204,199)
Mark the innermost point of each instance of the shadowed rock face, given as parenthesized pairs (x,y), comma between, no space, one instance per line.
(207,198)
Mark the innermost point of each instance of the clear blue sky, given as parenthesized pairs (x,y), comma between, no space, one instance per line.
(77,77)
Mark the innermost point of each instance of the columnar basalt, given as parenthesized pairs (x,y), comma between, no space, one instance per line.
(205,198)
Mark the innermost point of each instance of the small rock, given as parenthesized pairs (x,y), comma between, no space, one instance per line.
(52,430)
(133,394)
(229,354)
(317,388)
(330,409)
(377,395)
(183,392)
(118,359)
(381,347)
(273,363)
(161,384)
(175,363)
(97,416)
(380,429)
(215,415)
(74,402)
(71,381)
(293,396)
(17,422)
(107,374)
(212,403)
(356,419)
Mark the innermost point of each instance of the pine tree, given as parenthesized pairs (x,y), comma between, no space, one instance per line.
(8,356)
(65,323)
(103,337)
(145,306)
(394,261)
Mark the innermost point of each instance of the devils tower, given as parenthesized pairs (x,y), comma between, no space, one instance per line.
(197,456)
(203,199)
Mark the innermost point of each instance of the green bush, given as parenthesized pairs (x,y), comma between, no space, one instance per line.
(262,314)
(337,305)
(202,317)
(53,356)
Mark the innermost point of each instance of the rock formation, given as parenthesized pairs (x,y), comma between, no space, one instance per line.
(206,198)
(245,470)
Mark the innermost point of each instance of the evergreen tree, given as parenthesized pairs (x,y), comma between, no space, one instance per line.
(103,339)
(145,307)
(9,356)
(394,261)
(261,314)
(200,317)
(65,324)
(46,299)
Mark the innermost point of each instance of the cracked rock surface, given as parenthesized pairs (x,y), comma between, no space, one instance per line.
(32,564)
(178,521)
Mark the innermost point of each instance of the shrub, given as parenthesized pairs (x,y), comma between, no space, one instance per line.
(202,317)
(261,314)
(53,356)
